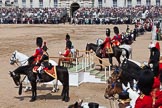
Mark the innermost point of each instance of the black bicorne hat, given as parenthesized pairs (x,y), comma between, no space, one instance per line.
(44,47)
(39,41)
(67,36)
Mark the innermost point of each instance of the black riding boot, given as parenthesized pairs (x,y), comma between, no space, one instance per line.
(40,77)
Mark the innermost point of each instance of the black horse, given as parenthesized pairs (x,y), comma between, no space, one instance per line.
(117,52)
(62,76)
(128,71)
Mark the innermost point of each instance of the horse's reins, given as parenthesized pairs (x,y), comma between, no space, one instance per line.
(23,79)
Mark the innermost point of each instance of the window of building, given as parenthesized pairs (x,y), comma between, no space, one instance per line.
(157,2)
(129,3)
(114,3)
(7,3)
(0,2)
(138,2)
(40,3)
(148,2)
(24,3)
(55,3)
(31,3)
(92,3)
(16,1)
(100,3)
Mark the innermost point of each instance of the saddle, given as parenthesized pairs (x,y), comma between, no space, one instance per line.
(108,49)
(50,71)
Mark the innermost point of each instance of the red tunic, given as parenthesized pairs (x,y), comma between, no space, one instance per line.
(107,42)
(117,40)
(38,54)
(144,101)
(66,54)
(158,99)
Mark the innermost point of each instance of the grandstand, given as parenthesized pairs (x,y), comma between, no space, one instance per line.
(73,5)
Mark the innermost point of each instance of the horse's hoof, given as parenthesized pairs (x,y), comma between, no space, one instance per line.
(27,89)
(63,99)
(54,91)
(32,99)
(67,99)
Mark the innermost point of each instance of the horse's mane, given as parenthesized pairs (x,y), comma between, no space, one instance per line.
(22,69)
(132,70)
(21,54)
(92,44)
(136,62)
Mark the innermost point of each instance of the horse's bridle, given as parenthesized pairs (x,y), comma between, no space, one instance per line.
(15,60)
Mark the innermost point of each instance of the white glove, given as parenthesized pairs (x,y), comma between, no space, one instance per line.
(60,53)
(151,65)
(125,88)
(145,63)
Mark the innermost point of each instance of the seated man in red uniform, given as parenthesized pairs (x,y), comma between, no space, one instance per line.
(67,54)
(106,45)
(145,83)
(116,40)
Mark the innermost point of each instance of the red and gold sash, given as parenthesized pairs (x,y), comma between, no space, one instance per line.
(52,72)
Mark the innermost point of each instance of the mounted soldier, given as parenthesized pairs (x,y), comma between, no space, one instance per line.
(106,45)
(116,40)
(38,52)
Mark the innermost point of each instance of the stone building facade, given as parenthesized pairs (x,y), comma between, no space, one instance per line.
(73,5)
(77,3)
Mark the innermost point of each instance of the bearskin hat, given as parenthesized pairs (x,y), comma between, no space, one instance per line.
(67,36)
(116,30)
(107,32)
(39,41)
(145,81)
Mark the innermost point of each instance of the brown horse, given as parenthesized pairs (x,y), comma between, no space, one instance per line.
(113,87)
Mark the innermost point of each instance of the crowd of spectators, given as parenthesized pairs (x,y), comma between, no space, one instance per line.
(104,15)
(31,15)
(113,15)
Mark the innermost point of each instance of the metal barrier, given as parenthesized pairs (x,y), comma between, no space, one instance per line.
(87,61)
